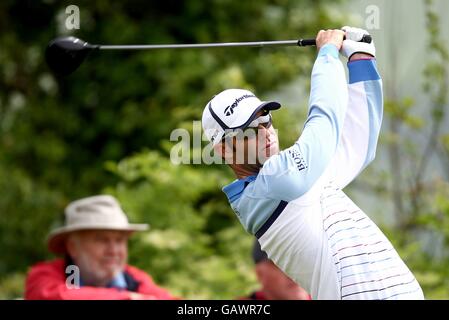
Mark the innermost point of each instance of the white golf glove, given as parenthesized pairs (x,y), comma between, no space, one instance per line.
(351,45)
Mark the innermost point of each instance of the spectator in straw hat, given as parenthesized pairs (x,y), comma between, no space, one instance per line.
(94,242)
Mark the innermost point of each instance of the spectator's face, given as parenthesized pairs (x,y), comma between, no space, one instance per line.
(100,254)
(276,285)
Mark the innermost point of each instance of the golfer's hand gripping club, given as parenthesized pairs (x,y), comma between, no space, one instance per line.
(353,44)
(366,38)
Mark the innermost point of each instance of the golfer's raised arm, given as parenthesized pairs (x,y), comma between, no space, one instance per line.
(357,147)
(300,166)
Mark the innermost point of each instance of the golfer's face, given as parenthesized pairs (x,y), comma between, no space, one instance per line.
(267,143)
(101,254)
(258,144)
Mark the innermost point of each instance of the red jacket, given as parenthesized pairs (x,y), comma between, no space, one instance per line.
(47,281)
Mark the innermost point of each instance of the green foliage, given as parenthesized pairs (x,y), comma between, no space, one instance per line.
(11,287)
(27,210)
(401,111)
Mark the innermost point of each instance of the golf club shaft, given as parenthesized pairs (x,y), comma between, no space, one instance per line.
(200,45)
(300,43)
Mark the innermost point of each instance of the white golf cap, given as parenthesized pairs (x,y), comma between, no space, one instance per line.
(232,109)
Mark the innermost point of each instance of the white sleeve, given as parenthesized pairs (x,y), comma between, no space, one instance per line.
(358,141)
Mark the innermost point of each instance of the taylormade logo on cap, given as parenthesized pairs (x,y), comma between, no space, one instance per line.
(230,109)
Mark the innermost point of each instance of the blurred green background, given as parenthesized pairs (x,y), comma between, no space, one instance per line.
(106,129)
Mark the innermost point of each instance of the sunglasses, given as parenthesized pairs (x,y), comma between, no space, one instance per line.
(264,120)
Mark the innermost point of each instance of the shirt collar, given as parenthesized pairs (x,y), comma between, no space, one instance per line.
(118,282)
(234,190)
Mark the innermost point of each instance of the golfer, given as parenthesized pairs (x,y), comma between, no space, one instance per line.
(292,200)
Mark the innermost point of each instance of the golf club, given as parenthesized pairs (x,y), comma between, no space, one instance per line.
(65,54)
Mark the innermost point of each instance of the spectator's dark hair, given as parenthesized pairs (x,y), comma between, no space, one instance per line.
(258,254)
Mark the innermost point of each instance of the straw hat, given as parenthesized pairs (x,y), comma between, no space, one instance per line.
(102,212)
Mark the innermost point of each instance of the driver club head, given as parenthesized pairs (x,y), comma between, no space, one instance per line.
(65,54)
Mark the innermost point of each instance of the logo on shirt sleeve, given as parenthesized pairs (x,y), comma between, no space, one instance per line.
(298,159)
